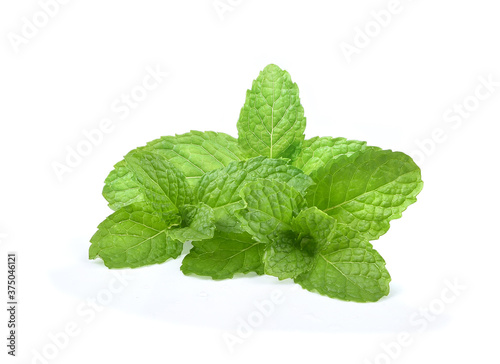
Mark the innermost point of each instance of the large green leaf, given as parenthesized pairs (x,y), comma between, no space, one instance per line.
(366,190)
(224,256)
(193,153)
(272,121)
(348,268)
(196,152)
(135,236)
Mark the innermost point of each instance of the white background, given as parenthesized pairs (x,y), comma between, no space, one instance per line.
(395,92)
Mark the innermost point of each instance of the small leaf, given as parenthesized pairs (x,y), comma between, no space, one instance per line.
(285,258)
(197,224)
(317,152)
(316,224)
(270,207)
(220,188)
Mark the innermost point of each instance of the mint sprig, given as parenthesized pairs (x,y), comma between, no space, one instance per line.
(269,202)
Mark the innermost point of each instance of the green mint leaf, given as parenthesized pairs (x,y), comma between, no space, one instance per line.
(224,256)
(197,223)
(162,185)
(316,224)
(193,153)
(220,188)
(121,188)
(286,257)
(366,190)
(196,152)
(272,121)
(272,214)
(135,236)
(317,152)
(269,209)
(348,268)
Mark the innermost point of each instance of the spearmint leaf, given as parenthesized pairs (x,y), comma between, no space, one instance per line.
(121,188)
(162,185)
(285,258)
(220,188)
(317,152)
(135,236)
(269,209)
(348,268)
(225,255)
(272,121)
(196,152)
(193,153)
(197,223)
(316,224)
(366,190)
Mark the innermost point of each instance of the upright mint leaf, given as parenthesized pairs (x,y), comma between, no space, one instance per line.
(269,209)
(197,223)
(224,256)
(135,236)
(220,188)
(317,152)
(272,121)
(193,153)
(348,268)
(366,190)
(162,185)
